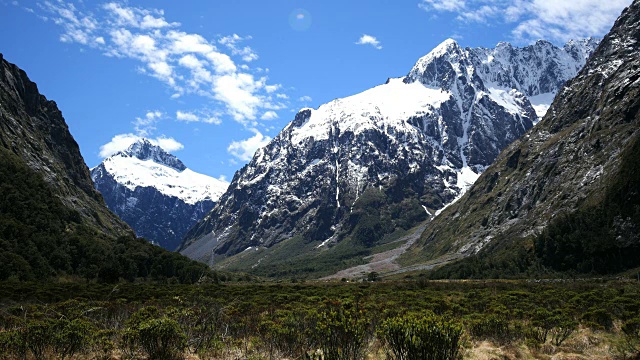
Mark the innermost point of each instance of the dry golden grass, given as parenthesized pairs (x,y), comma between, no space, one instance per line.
(582,345)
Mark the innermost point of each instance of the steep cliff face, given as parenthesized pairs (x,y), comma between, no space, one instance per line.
(420,140)
(52,222)
(155,193)
(574,164)
(33,128)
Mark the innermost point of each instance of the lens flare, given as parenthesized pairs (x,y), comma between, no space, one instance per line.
(300,20)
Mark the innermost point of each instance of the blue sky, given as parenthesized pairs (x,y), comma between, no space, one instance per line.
(212,80)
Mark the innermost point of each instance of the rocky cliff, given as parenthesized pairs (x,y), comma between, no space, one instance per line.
(33,128)
(419,141)
(565,195)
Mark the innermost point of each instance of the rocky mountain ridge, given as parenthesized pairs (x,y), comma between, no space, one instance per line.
(573,171)
(421,140)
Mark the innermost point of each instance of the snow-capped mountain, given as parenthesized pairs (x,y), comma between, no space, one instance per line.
(155,193)
(566,196)
(420,140)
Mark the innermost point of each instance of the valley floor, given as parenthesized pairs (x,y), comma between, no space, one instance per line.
(481,319)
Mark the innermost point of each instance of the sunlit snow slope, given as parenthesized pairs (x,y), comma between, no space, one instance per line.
(421,139)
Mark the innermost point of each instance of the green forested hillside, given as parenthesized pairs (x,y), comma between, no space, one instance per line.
(41,238)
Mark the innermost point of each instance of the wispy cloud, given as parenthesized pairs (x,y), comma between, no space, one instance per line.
(244,149)
(305,99)
(369,40)
(145,125)
(186,62)
(232,42)
(443,5)
(536,19)
(200,117)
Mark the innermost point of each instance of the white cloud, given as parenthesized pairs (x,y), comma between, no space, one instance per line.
(272,88)
(222,62)
(189,43)
(536,19)
(150,22)
(246,53)
(269,115)
(123,16)
(443,5)
(162,71)
(369,40)
(282,96)
(144,126)
(121,142)
(192,117)
(167,143)
(77,27)
(564,20)
(305,99)
(244,149)
(136,17)
(239,92)
(187,116)
(187,63)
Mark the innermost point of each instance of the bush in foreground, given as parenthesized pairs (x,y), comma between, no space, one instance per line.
(427,337)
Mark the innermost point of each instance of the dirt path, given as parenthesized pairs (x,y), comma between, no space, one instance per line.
(382,263)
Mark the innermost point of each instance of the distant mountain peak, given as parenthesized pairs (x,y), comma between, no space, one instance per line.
(563,196)
(505,66)
(154,192)
(429,69)
(144,149)
(423,138)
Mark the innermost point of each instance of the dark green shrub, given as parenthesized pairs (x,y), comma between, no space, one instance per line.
(71,337)
(342,331)
(203,325)
(289,332)
(426,337)
(490,327)
(598,318)
(558,324)
(103,344)
(38,336)
(159,339)
(631,329)
(12,343)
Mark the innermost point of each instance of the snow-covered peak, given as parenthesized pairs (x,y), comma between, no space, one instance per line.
(144,149)
(382,107)
(146,165)
(426,136)
(445,47)
(429,69)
